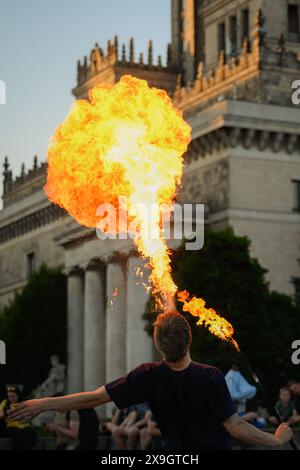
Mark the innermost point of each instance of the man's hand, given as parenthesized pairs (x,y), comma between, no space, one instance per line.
(26,410)
(283,434)
(243,431)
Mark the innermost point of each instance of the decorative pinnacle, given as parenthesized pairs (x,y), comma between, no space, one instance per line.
(123,53)
(200,71)
(5,165)
(116,45)
(246,45)
(131,50)
(169,54)
(281,43)
(108,46)
(222,58)
(259,19)
(150,53)
(259,32)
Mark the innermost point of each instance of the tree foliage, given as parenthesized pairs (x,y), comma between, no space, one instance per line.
(233,283)
(33,327)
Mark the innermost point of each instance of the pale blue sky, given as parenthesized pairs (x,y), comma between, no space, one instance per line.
(40,43)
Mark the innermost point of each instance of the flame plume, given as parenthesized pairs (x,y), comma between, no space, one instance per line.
(126,141)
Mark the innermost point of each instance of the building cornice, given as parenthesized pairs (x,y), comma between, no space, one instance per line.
(232,137)
(31,222)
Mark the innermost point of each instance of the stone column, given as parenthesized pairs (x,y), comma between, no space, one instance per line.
(75,330)
(94,325)
(139,343)
(115,319)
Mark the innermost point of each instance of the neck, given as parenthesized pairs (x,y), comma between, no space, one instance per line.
(180,365)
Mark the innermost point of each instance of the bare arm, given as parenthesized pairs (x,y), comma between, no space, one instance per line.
(72,432)
(116,416)
(243,431)
(142,422)
(77,401)
(295,418)
(130,419)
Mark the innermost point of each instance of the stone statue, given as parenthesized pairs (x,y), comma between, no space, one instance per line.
(55,382)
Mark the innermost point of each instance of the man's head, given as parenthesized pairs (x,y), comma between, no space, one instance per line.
(13,394)
(284,395)
(294,387)
(172,335)
(54,360)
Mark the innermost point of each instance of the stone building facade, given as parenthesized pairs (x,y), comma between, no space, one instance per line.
(229,67)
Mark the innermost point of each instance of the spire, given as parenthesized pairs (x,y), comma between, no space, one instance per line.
(221,58)
(281,48)
(7,175)
(22,171)
(131,50)
(35,162)
(141,58)
(159,61)
(150,53)
(200,71)
(169,54)
(259,32)
(108,47)
(5,167)
(116,46)
(123,53)
(246,46)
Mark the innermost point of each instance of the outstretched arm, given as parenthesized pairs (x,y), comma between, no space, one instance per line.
(77,401)
(243,431)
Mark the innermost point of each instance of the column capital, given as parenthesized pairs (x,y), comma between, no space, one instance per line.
(93,264)
(117,257)
(134,254)
(73,271)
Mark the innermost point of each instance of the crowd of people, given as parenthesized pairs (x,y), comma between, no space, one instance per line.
(286,409)
(135,427)
(130,428)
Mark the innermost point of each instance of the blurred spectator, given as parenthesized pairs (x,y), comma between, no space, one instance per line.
(143,415)
(240,391)
(285,408)
(150,434)
(125,425)
(22,434)
(75,429)
(119,426)
(294,388)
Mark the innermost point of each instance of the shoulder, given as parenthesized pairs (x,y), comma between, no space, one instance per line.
(74,415)
(211,373)
(147,368)
(3,405)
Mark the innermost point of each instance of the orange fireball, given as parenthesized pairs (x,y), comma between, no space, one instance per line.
(127,141)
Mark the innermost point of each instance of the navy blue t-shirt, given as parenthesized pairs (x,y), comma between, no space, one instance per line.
(189,406)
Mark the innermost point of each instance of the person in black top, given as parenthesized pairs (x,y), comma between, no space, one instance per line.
(190,401)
